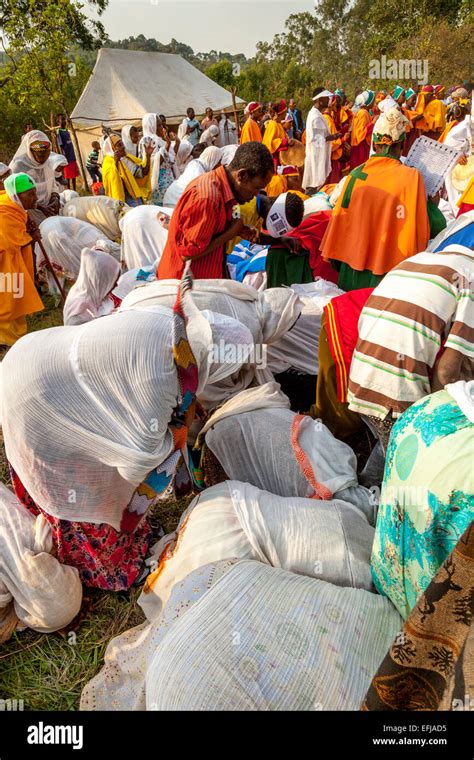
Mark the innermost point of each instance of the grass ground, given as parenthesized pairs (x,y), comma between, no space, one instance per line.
(48,671)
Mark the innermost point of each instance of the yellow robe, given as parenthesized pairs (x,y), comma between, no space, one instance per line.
(273,136)
(360,125)
(18,295)
(250,132)
(276,186)
(117,178)
(336,145)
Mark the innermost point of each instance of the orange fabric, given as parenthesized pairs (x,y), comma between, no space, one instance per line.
(385,221)
(303,137)
(360,127)
(250,132)
(273,136)
(203,212)
(18,295)
(336,145)
(320,490)
(409,114)
(448,129)
(276,186)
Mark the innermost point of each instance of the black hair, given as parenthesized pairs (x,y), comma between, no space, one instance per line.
(317,91)
(198,149)
(294,209)
(162,117)
(255,158)
(190,109)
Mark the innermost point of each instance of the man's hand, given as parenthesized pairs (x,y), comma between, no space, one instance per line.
(291,142)
(251,234)
(462,160)
(33,230)
(293,244)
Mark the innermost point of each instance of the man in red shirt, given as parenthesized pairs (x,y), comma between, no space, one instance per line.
(206,216)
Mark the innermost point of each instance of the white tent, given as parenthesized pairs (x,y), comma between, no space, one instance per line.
(125,84)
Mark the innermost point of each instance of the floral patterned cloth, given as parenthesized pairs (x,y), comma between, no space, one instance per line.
(427,498)
(105,558)
(165,178)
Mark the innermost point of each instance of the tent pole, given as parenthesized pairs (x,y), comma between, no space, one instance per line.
(234,103)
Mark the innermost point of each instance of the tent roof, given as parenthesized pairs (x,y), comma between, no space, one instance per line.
(125,84)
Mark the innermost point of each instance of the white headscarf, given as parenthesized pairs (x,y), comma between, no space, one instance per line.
(207,161)
(386,104)
(149,134)
(42,174)
(183,157)
(209,135)
(3,168)
(57,160)
(228,153)
(210,158)
(97,276)
(130,147)
(392,123)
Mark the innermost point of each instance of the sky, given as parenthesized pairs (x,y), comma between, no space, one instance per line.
(226,25)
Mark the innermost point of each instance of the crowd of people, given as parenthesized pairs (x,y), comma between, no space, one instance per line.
(275,317)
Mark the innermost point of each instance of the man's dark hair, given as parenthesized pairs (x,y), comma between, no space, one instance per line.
(254,157)
(162,117)
(198,149)
(190,109)
(316,91)
(294,209)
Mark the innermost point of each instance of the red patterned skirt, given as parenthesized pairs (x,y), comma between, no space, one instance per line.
(105,558)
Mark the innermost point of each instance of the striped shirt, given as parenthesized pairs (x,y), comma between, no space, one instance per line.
(424,304)
(203,212)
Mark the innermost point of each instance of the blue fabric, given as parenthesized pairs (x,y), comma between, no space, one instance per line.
(463,237)
(246,258)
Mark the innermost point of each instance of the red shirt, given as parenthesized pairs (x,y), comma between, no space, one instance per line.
(203,212)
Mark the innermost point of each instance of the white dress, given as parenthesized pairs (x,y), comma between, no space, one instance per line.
(317,165)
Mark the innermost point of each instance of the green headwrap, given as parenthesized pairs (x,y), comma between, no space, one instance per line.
(397,92)
(18,183)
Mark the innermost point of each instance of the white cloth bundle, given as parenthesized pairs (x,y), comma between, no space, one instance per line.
(268,314)
(85,410)
(64,239)
(253,443)
(88,297)
(299,346)
(42,174)
(100,210)
(267,639)
(45,594)
(326,539)
(143,236)
(237,634)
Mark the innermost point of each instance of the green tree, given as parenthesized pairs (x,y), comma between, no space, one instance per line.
(40,34)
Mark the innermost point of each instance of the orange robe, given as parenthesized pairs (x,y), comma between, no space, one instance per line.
(17,280)
(250,132)
(380,218)
(273,136)
(276,186)
(360,128)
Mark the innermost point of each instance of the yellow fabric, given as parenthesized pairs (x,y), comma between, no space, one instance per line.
(117,178)
(409,114)
(250,132)
(10,332)
(250,217)
(336,145)
(19,295)
(435,116)
(276,186)
(303,196)
(273,136)
(360,124)
(383,222)
(468,194)
(447,130)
